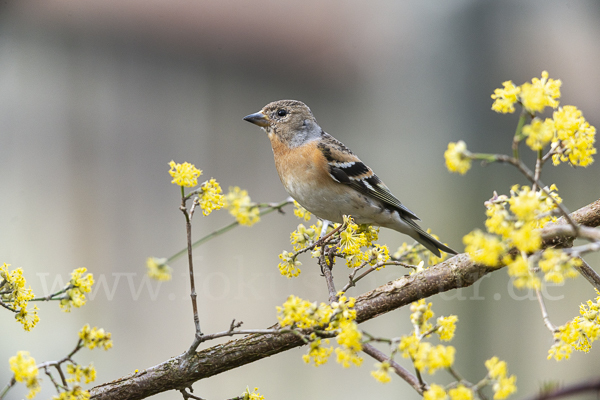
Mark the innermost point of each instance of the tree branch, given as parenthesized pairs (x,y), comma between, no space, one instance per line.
(181,371)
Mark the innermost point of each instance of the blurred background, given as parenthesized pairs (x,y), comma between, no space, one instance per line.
(98,96)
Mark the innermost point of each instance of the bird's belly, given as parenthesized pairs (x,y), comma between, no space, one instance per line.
(336,200)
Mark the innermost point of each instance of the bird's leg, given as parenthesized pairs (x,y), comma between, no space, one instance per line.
(326,224)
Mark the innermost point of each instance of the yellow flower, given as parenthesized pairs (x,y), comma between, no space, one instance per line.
(301,212)
(80,283)
(447,326)
(302,313)
(527,238)
(241,206)
(557,265)
(408,346)
(28,317)
(457,157)
(484,249)
(574,139)
(434,357)
(504,385)
(518,268)
(95,337)
(496,368)
(78,373)
(210,198)
(382,373)
(505,99)
(578,334)
(185,174)
(303,237)
(25,370)
(435,392)
(524,203)
(538,94)
(420,314)
(408,254)
(158,269)
(13,287)
(289,265)
(317,352)
(460,393)
(76,393)
(539,133)
(377,254)
(346,357)
(252,396)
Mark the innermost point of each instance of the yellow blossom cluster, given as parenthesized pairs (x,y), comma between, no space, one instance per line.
(579,333)
(574,137)
(515,222)
(409,254)
(185,174)
(304,237)
(534,96)
(78,373)
(241,206)
(351,242)
(354,237)
(382,373)
(95,337)
(80,284)
(210,197)
(14,292)
(570,136)
(76,393)
(26,371)
(159,269)
(254,395)
(317,352)
(303,314)
(289,266)
(503,385)
(558,265)
(424,355)
(301,212)
(339,317)
(458,157)
(437,392)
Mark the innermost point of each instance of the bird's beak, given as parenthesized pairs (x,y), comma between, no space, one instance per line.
(258,118)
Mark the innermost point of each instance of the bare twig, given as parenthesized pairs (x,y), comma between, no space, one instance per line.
(551,327)
(400,371)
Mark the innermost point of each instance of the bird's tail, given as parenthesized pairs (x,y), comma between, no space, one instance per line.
(430,243)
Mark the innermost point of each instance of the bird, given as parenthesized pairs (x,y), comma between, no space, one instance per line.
(327,178)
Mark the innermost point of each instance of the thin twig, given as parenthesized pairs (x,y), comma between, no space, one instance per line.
(188,228)
(412,380)
(551,327)
(326,268)
(588,273)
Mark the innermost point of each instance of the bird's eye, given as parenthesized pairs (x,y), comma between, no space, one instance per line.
(281,112)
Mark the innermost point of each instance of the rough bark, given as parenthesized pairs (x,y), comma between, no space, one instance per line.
(180,371)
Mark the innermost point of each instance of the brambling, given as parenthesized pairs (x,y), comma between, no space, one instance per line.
(327,179)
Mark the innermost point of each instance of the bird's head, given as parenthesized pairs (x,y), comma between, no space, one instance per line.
(291,121)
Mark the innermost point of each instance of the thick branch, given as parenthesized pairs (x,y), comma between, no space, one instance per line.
(181,371)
